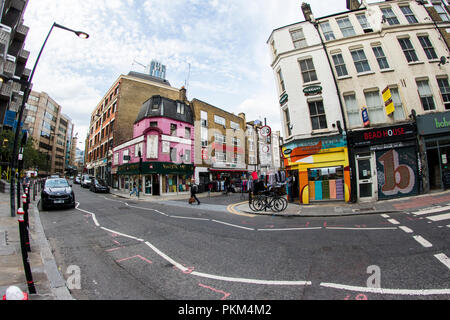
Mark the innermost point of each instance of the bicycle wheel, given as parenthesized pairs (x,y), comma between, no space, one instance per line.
(277,205)
(260,203)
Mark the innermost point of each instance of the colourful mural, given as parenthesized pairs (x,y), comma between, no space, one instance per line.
(323,168)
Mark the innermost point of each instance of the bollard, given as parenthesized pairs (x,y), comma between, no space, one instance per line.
(26,262)
(26,221)
(14,293)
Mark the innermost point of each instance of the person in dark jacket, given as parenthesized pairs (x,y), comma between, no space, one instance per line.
(194,192)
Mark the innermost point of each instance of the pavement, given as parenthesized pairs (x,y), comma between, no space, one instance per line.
(50,284)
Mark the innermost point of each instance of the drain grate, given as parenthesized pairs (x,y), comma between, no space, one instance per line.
(364,209)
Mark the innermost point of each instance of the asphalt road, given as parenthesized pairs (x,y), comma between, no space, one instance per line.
(133,250)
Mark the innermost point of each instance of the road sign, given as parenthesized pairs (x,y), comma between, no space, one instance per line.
(265,131)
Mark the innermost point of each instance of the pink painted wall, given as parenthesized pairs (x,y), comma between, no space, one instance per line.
(163,128)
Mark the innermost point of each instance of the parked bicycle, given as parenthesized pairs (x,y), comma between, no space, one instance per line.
(272,199)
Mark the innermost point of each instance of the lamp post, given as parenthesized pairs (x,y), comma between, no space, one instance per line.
(13,163)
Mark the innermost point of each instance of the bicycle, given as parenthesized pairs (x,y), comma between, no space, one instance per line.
(269,200)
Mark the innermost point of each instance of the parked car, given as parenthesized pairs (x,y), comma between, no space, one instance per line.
(86,181)
(77,179)
(99,185)
(57,192)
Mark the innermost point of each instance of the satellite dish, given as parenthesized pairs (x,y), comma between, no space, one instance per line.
(443,60)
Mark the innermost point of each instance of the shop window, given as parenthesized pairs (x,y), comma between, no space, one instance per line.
(326,183)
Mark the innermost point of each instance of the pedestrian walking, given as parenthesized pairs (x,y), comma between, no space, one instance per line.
(193,194)
(134,190)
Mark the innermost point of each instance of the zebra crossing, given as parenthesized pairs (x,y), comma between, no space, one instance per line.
(435,213)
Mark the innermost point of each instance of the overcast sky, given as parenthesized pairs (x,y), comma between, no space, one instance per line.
(223,41)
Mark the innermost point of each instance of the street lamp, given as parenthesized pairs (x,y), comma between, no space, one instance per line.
(13,163)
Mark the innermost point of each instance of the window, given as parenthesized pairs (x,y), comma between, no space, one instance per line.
(441,11)
(187,156)
(298,38)
(180,108)
(408,49)
(155,105)
(281,80)
(339,64)
(221,156)
(409,15)
(375,107)
(425,94)
(173,154)
(317,113)
(399,113)
(352,110)
(308,71)
(390,16)
(219,120)
(327,31)
(360,60)
(173,129)
(427,47)
(362,19)
(381,57)
(218,138)
(187,132)
(236,142)
(346,27)
(287,120)
(153,124)
(445,91)
(234,125)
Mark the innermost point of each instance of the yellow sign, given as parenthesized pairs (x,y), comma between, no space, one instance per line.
(388,103)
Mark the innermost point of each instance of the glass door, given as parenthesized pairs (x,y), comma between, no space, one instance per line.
(365,179)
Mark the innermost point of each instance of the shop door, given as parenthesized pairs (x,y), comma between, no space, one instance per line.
(365,179)
(155,185)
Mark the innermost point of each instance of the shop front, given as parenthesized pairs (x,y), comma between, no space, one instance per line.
(385,162)
(156,178)
(318,169)
(434,131)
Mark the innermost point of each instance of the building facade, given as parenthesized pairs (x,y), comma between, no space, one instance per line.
(315,146)
(50,129)
(13,59)
(219,146)
(159,159)
(113,118)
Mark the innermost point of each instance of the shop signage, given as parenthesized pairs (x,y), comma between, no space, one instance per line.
(312,90)
(287,151)
(283,99)
(156,167)
(365,116)
(383,135)
(434,123)
(388,103)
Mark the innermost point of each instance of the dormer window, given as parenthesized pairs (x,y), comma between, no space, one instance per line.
(180,108)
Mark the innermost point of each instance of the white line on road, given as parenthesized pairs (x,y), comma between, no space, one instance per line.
(229,279)
(233,225)
(439,217)
(422,241)
(423,292)
(122,234)
(344,228)
(444,259)
(432,210)
(189,218)
(385,216)
(393,221)
(289,229)
(92,214)
(406,229)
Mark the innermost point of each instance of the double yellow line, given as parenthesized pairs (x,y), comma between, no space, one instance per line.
(231,209)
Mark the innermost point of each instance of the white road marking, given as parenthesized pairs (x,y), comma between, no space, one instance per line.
(406,229)
(344,228)
(419,292)
(385,216)
(432,210)
(229,279)
(422,241)
(122,234)
(190,218)
(393,221)
(233,225)
(444,259)
(439,217)
(289,229)
(92,214)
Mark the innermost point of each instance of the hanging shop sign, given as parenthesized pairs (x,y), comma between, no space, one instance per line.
(312,90)
(283,99)
(388,103)
(433,123)
(365,116)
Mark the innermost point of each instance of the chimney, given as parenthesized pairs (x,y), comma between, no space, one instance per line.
(242,116)
(183,94)
(353,4)
(307,13)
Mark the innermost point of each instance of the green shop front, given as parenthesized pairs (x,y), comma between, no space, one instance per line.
(156,178)
(434,142)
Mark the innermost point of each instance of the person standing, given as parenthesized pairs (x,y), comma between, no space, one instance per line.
(134,189)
